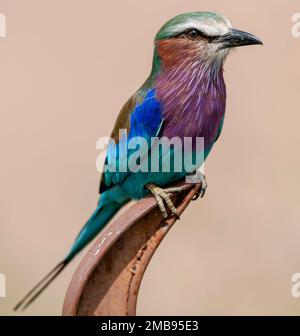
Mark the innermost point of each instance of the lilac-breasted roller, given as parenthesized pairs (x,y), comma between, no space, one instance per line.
(183,97)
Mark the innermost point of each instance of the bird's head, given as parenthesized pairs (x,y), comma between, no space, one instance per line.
(205,36)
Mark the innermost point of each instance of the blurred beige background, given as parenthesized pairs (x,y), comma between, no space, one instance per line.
(66,69)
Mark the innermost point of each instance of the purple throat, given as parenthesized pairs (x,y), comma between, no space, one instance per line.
(193,99)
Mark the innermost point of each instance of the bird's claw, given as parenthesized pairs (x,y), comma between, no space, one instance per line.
(161,196)
(201,179)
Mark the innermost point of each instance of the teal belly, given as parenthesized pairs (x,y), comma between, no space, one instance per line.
(167,169)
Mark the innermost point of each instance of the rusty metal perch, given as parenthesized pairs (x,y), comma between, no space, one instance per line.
(108,279)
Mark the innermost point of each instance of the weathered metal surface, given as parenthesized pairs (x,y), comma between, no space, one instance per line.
(108,279)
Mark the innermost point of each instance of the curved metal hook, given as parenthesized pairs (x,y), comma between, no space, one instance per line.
(108,279)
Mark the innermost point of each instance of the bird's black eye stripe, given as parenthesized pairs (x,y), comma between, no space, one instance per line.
(193,34)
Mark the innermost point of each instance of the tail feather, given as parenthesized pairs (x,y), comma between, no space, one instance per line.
(40,286)
(94,225)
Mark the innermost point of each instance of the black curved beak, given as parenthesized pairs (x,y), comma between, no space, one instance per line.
(237,38)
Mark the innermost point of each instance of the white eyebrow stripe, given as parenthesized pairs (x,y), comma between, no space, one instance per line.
(209,27)
(213,31)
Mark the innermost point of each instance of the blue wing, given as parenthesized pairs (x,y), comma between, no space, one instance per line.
(140,117)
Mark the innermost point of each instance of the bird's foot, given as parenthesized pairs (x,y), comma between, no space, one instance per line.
(163,195)
(198,177)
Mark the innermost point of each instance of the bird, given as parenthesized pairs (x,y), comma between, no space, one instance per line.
(183,97)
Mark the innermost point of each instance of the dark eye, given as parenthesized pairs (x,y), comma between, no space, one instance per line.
(193,34)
